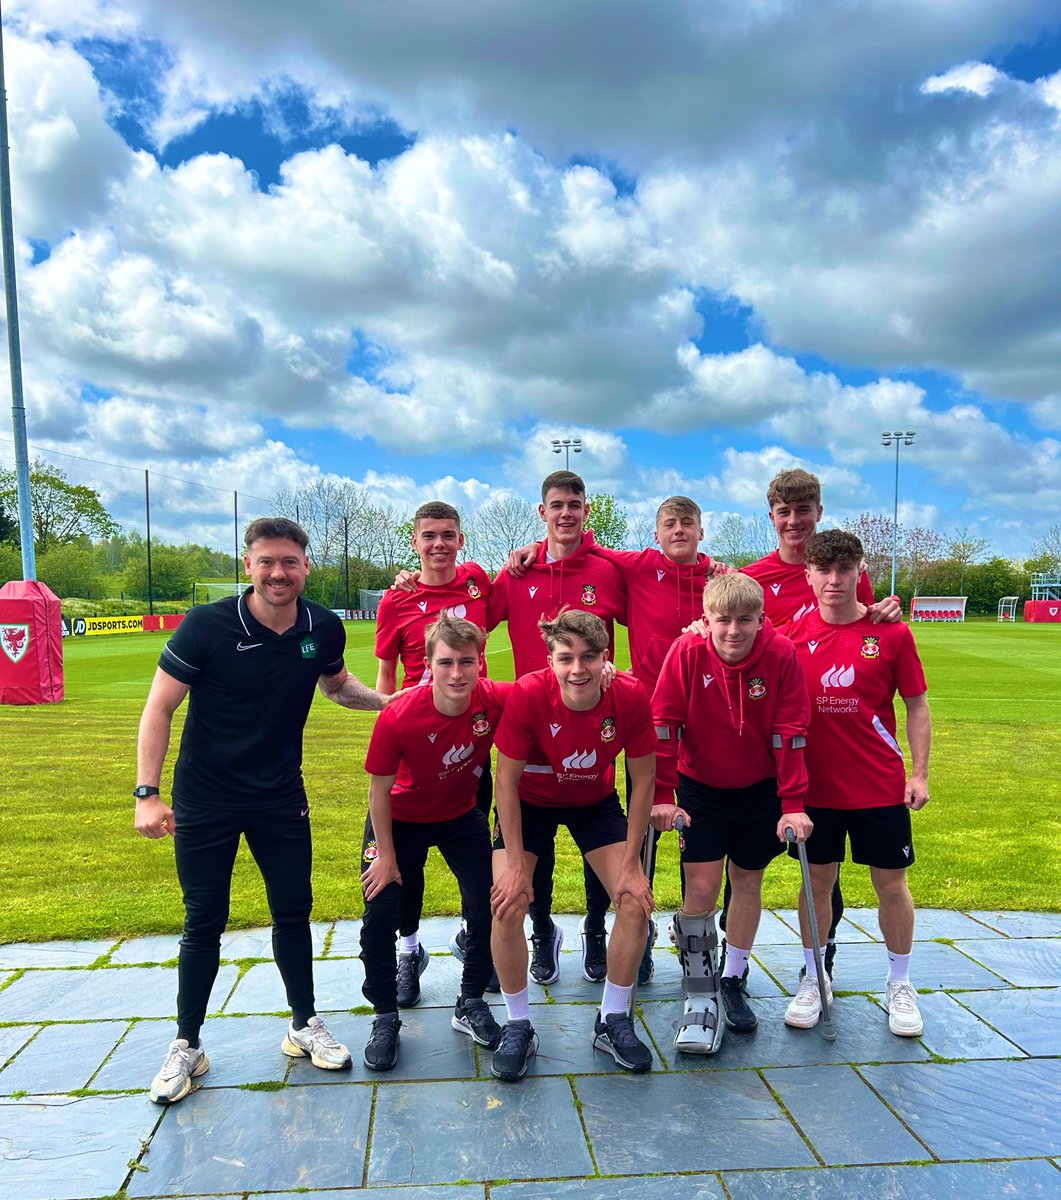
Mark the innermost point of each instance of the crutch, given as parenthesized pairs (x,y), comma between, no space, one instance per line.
(648,855)
(828,1032)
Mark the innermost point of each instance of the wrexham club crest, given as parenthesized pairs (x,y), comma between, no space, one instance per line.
(473,590)
(870,647)
(589,594)
(480,723)
(607,729)
(757,687)
(14,641)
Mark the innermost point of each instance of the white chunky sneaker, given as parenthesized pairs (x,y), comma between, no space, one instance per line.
(317,1042)
(904,1017)
(805,1007)
(182,1065)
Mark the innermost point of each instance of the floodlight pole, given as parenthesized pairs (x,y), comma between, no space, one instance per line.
(14,348)
(900,439)
(567,445)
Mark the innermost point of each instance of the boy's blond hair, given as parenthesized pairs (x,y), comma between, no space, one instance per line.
(733,593)
(681,506)
(571,623)
(453,632)
(790,487)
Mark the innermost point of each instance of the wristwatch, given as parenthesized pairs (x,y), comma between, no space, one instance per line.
(144,790)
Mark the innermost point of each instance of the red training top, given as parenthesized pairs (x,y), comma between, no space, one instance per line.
(437,759)
(663,598)
(853,672)
(582,580)
(569,755)
(739,719)
(403,617)
(787,595)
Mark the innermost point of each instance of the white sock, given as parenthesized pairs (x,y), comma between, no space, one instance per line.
(812,965)
(898,968)
(517,1005)
(736,961)
(616,999)
(410,944)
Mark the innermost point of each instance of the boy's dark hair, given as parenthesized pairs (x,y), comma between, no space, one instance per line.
(574,622)
(275,527)
(567,480)
(435,510)
(790,487)
(454,632)
(833,547)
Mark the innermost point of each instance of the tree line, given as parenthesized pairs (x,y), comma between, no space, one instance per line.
(359,542)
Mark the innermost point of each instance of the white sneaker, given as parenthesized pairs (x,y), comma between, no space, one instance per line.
(805,1008)
(904,1017)
(182,1065)
(317,1042)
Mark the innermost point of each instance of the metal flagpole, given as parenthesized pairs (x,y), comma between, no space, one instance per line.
(14,349)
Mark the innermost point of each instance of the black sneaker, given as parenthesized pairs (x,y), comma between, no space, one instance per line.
(647,968)
(381,1053)
(545,956)
(594,953)
(456,944)
(739,1016)
(410,968)
(615,1034)
(474,1018)
(512,1056)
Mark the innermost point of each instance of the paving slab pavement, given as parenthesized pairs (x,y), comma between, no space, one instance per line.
(969,1111)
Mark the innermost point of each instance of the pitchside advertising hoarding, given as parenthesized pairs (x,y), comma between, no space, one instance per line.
(90,626)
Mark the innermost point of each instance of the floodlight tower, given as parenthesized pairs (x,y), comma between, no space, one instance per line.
(568,446)
(900,439)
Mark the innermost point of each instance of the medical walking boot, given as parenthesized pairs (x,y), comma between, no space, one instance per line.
(703,1025)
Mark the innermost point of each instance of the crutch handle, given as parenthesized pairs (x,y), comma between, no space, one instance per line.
(790,834)
(679,823)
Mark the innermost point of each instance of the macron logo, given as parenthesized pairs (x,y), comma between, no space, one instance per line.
(554,729)
(838,677)
(707,680)
(422,605)
(533,592)
(580,761)
(659,575)
(775,588)
(457,754)
(906,852)
(431,738)
(812,646)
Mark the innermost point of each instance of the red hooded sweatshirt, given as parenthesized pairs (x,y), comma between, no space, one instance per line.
(664,598)
(739,723)
(582,580)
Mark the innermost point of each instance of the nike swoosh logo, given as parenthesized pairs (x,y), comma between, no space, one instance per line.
(249,645)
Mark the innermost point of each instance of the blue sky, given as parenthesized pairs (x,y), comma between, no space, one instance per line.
(264,246)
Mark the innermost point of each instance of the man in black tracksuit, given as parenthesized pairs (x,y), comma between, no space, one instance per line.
(250,664)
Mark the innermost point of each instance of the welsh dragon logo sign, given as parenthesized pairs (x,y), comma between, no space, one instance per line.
(14,641)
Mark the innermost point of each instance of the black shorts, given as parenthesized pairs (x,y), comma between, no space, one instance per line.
(591,825)
(738,823)
(880,837)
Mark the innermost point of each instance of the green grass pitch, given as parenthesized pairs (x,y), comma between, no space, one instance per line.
(72,866)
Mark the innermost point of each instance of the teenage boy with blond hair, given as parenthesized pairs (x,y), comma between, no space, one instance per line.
(731,713)
(859,788)
(426,756)
(557,746)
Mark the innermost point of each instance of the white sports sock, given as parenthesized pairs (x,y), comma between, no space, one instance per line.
(736,961)
(517,1005)
(616,999)
(898,968)
(410,944)
(812,966)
